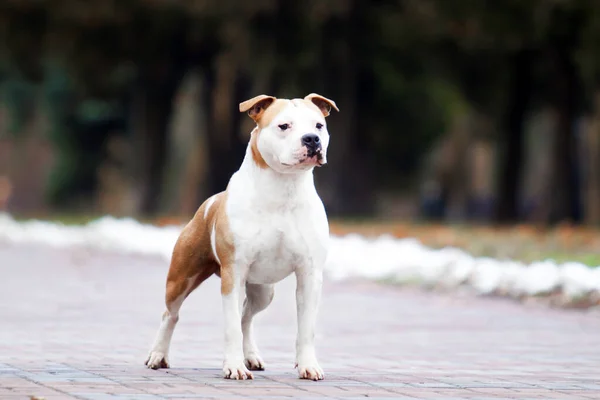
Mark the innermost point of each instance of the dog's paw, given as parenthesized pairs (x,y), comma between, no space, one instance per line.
(310,370)
(157,360)
(237,371)
(254,362)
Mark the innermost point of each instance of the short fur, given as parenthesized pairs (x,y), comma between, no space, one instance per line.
(268,224)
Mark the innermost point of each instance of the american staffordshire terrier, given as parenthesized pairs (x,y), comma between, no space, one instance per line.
(266,225)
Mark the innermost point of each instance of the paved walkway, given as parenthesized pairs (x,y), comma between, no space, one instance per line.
(78,325)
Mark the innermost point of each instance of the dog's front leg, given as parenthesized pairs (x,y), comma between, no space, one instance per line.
(231,292)
(308,296)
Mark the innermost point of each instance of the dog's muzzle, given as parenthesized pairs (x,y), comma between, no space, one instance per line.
(313,144)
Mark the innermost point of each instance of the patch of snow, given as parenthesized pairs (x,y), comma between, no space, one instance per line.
(351,256)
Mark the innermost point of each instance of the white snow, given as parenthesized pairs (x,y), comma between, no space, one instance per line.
(351,256)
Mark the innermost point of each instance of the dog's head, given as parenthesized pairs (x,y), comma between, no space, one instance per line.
(291,135)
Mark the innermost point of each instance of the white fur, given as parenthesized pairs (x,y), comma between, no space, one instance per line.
(213,243)
(281,149)
(279,227)
(209,203)
(233,365)
(162,342)
(258,297)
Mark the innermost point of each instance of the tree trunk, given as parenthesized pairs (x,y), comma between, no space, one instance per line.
(351,192)
(507,209)
(457,185)
(186,171)
(222,91)
(565,196)
(592,146)
(151,111)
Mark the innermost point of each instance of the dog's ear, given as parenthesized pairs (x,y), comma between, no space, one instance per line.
(256,106)
(324,104)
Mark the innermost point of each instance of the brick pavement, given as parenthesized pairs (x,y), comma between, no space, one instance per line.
(77,325)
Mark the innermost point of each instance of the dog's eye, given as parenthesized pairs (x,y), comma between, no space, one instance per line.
(319,125)
(283,127)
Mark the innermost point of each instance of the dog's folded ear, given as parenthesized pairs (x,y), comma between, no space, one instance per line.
(256,106)
(324,104)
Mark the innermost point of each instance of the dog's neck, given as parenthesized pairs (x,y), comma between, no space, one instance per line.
(275,187)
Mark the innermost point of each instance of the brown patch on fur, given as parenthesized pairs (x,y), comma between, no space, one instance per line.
(256,156)
(263,109)
(323,103)
(193,256)
(309,104)
(256,106)
(224,246)
(270,113)
(264,119)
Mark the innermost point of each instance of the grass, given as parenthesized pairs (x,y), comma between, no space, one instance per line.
(70,219)
(589,259)
(62,219)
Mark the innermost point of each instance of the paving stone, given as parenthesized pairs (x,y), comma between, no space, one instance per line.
(76,328)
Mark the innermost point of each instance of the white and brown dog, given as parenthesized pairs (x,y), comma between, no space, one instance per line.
(267,224)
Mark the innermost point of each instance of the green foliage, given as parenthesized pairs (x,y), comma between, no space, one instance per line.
(19,96)
(421,107)
(59,105)
(425,60)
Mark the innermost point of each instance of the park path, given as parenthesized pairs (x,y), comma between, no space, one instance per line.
(76,324)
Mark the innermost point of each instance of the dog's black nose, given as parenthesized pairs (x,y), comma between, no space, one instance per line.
(311,141)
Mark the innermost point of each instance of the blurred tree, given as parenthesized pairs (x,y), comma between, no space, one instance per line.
(404,73)
(566,98)
(513,56)
(588,62)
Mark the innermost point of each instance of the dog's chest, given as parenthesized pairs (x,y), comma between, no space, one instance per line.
(277,224)
(278,243)
(273,243)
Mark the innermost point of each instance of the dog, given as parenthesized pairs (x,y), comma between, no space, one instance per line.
(268,223)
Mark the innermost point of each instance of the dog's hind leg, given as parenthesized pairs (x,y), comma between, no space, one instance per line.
(258,297)
(185,275)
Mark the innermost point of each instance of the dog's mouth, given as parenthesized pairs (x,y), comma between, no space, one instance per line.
(315,157)
(308,159)
(317,161)
(320,161)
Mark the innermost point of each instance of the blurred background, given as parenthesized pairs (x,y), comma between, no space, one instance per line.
(468,111)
